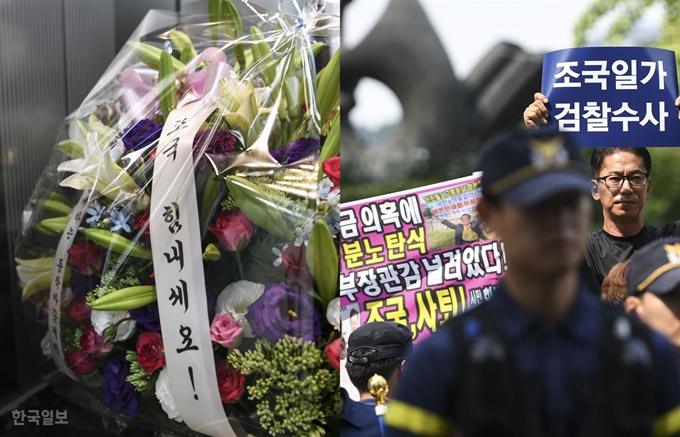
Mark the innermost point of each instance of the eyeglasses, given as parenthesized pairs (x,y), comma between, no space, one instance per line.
(616,181)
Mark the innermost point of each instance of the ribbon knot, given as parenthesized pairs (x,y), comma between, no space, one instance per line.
(309,13)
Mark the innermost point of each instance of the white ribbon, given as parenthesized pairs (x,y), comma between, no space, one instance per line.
(178,270)
(57,285)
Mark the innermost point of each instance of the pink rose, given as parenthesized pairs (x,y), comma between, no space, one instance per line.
(233,230)
(80,362)
(79,310)
(91,342)
(225,330)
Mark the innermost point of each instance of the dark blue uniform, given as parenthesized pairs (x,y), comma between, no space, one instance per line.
(562,361)
(358,419)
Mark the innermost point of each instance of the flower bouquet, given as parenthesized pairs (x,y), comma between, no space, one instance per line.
(179,255)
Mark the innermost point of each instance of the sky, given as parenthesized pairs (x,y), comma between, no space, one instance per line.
(467,29)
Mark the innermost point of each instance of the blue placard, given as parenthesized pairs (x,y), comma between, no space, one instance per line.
(613,96)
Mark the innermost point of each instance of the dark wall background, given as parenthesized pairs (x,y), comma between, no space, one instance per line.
(53,52)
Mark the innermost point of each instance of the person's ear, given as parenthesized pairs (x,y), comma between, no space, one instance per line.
(594,190)
(632,304)
(649,187)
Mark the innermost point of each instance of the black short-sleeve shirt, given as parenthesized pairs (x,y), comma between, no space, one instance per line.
(603,250)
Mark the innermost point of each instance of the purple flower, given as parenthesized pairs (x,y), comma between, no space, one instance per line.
(118,393)
(147,316)
(212,300)
(296,150)
(82,284)
(284,310)
(218,149)
(108,112)
(142,134)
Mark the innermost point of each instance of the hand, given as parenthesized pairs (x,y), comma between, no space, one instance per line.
(536,114)
(677,104)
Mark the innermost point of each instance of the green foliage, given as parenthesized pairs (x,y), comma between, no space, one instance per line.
(103,289)
(663,204)
(625,14)
(358,191)
(295,387)
(72,338)
(138,377)
(228,204)
(111,282)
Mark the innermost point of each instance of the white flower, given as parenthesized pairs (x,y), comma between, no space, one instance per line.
(46,346)
(164,395)
(333,198)
(333,313)
(325,187)
(302,234)
(103,319)
(235,300)
(37,272)
(97,170)
(279,254)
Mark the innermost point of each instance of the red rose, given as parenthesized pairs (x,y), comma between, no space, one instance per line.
(230,382)
(331,167)
(150,352)
(80,362)
(91,342)
(333,352)
(79,310)
(142,224)
(84,255)
(295,265)
(233,230)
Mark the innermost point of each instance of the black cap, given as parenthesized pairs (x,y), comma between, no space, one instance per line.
(527,167)
(655,267)
(378,341)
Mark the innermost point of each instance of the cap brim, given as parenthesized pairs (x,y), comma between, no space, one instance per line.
(538,188)
(665,283)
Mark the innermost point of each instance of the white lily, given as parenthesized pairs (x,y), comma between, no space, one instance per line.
(36,274)
(239,103)
(97,169)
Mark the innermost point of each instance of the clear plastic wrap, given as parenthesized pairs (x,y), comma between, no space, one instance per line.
(179,257)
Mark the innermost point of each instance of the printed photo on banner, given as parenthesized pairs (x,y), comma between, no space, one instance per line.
(417,257)
(350,320)
(613,96)
(450,215)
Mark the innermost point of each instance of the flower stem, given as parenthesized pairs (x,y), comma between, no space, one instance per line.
(240,264)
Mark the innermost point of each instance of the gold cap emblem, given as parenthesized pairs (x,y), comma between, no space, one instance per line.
(672,252)
(548,152)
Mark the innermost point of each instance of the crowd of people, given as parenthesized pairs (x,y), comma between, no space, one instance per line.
(581,337)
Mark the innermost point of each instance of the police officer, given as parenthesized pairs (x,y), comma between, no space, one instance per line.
(377,348)
(654,287)
(543,357)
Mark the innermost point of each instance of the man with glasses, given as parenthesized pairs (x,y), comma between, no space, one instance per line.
(621,183)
